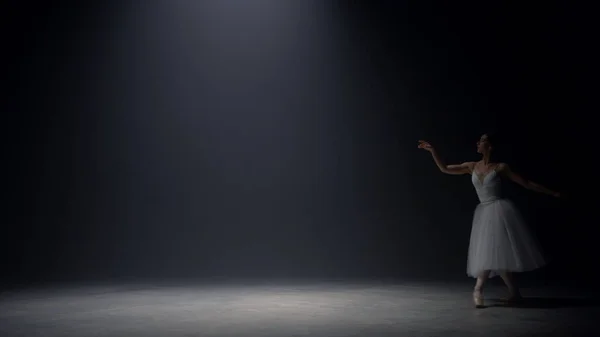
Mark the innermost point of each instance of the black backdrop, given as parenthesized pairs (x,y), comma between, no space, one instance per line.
(319,176)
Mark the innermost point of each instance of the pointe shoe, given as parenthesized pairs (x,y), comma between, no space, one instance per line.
(513,298)
(478,299)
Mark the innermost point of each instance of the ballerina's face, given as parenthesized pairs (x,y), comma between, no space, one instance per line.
(483,145)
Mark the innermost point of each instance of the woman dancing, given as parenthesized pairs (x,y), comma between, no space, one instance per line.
(500,241)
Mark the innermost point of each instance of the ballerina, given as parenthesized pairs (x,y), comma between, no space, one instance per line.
(500,243)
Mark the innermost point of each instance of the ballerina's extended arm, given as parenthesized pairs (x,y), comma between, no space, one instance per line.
(530,185)
(464,168)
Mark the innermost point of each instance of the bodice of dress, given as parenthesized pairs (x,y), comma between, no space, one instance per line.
(488,187)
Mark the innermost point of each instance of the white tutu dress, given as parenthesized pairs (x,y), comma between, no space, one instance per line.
(500,238)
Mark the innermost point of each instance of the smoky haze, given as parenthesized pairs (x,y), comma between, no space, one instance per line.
(260,139)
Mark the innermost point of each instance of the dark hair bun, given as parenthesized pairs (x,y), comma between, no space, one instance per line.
(494,139)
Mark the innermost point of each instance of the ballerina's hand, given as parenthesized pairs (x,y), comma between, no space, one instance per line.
(425,146)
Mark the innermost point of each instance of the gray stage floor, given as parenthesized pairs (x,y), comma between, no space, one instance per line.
(287,309)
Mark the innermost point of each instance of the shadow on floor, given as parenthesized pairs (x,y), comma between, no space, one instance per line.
(547,303)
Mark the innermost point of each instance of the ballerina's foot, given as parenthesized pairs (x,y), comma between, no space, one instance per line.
(514,298)
(478,299)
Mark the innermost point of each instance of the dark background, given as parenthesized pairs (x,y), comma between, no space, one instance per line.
(278,139)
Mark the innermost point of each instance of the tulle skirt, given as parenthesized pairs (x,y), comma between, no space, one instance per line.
(501,241)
